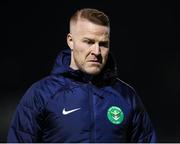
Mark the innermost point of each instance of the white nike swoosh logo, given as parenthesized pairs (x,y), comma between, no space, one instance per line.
(64,112)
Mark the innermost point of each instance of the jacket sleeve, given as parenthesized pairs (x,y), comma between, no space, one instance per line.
(26,122)
(142,128)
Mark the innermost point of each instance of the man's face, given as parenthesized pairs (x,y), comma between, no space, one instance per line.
(89,43)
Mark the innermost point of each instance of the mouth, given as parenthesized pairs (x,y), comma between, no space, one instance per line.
(95,61)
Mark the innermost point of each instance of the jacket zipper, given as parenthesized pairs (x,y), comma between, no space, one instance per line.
(92,128)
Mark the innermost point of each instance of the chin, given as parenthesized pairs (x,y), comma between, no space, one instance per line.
(93,71)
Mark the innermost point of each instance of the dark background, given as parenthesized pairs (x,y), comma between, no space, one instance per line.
(144,39)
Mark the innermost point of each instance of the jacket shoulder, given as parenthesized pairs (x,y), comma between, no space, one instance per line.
(129,94)
(39,93)
(125,87)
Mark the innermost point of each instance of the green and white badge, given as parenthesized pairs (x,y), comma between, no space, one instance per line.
(115,115)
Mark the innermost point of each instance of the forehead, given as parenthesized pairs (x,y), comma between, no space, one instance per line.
(84,27)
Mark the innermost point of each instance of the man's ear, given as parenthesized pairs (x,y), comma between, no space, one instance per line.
(70,41)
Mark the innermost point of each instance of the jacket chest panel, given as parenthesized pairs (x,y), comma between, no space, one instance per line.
(84,111)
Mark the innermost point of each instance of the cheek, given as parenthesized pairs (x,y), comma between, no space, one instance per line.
(83,52)
(80,55)
(80,48)
(105,53)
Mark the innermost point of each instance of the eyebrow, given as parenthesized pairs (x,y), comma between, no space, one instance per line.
(85,38)
(103,41)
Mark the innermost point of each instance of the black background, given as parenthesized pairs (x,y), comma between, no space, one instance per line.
(145,41)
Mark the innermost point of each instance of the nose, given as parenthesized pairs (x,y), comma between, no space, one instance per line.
(96,50)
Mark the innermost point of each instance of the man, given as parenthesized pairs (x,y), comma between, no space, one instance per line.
(82,100)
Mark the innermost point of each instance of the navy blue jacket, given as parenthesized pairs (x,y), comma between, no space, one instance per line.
(71,106)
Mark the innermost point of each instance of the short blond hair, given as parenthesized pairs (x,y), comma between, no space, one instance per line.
(93,15)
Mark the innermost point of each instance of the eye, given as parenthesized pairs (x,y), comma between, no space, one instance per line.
(89,42)
(104,44)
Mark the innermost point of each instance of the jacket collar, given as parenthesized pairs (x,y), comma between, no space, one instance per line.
(61,67)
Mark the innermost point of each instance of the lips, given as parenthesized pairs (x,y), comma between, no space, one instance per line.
(94,61)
